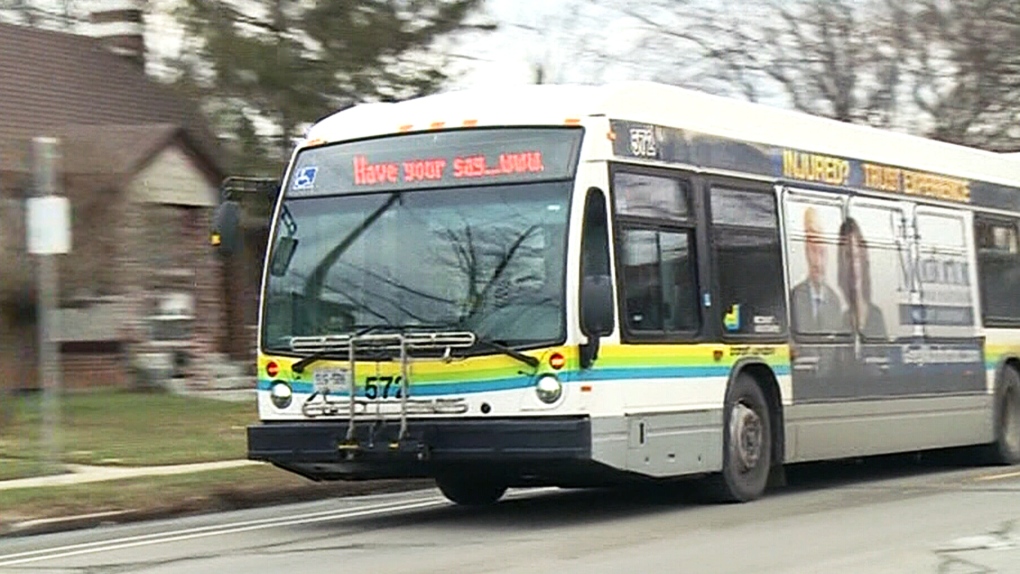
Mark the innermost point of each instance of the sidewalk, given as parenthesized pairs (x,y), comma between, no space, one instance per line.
(80,474)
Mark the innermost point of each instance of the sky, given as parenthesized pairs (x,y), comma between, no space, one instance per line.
(543,32)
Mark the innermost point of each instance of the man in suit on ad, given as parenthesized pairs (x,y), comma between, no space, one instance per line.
(816,307)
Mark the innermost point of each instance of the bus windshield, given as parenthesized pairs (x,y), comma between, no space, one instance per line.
(487,258)
(459,229)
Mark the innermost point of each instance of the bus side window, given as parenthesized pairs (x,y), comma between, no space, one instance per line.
(748,262)
(998,258)
(656,255)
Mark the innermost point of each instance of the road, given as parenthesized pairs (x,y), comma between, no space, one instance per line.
(893,515)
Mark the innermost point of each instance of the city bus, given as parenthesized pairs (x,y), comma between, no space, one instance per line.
(576,286)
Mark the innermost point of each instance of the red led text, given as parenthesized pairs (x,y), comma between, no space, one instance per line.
(424,169)
(368,174)
(418,170)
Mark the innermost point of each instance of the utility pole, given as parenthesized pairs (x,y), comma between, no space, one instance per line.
(48,234)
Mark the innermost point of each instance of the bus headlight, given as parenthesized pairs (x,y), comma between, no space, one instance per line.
(548,388)
(281,394)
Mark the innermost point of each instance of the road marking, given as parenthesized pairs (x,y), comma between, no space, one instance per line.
(214,530)
(999,476)
(113,544)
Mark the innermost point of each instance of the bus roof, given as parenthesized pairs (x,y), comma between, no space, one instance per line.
(665,105)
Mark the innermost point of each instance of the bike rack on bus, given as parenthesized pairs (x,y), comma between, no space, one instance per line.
(401,343)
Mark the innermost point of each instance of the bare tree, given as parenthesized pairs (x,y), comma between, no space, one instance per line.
(835,58)
(948,69)
(965,69)
(57,14)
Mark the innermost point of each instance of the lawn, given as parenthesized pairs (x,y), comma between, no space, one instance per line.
(127,428)
(11,468)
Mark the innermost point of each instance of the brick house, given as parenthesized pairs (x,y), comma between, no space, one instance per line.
(141,170)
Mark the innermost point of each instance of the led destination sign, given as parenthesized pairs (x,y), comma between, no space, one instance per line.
(443,159)
(367,173)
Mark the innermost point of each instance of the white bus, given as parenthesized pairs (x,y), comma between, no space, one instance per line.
(574,285)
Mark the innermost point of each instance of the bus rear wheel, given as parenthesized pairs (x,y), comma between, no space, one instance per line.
(747,444)
(471,491)
(1007,419)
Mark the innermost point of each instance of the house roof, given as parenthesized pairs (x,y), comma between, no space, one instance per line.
(111,149)
(51,81)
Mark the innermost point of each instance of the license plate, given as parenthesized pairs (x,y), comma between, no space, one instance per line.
(332,379)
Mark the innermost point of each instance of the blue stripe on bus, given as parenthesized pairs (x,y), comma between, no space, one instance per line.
(524,382)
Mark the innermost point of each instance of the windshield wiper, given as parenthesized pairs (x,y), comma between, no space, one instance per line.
(299,367)
(510,352)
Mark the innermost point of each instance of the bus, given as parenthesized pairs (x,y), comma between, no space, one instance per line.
(576,286)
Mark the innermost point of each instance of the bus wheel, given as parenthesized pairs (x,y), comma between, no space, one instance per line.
(470,491)
(1007,418)
(747,443)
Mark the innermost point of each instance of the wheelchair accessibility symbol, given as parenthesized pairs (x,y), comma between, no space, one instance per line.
(305,178)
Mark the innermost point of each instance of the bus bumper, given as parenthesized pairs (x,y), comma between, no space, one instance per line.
(319,450)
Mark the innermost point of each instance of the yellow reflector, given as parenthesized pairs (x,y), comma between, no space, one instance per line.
(215,239)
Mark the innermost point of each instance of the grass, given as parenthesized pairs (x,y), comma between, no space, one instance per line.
(12,468)
(199,491)
(125,428)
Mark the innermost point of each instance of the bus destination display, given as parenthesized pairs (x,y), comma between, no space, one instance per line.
(367,173)
(427,160)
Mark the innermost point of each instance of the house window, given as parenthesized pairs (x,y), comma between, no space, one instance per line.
(174,317)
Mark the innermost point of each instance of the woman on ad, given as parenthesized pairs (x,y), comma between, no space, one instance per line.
(855,281)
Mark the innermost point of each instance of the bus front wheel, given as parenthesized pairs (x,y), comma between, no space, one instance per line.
(747,443)
(470,491)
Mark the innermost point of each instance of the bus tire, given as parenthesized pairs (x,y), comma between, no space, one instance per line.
(1006,448)
(747,443)
(466,491)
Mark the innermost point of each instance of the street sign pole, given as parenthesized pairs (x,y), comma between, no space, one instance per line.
(48,234)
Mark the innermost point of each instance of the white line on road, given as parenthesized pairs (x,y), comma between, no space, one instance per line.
(999,476)
(204,531)
(234,528)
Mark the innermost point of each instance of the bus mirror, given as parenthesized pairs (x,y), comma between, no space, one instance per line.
(596,314)
(225,235)
(597,306)
(282,255)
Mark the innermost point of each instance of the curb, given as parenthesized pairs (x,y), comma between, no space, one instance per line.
(224,500)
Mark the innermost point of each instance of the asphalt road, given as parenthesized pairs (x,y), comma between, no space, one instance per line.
(893,515)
